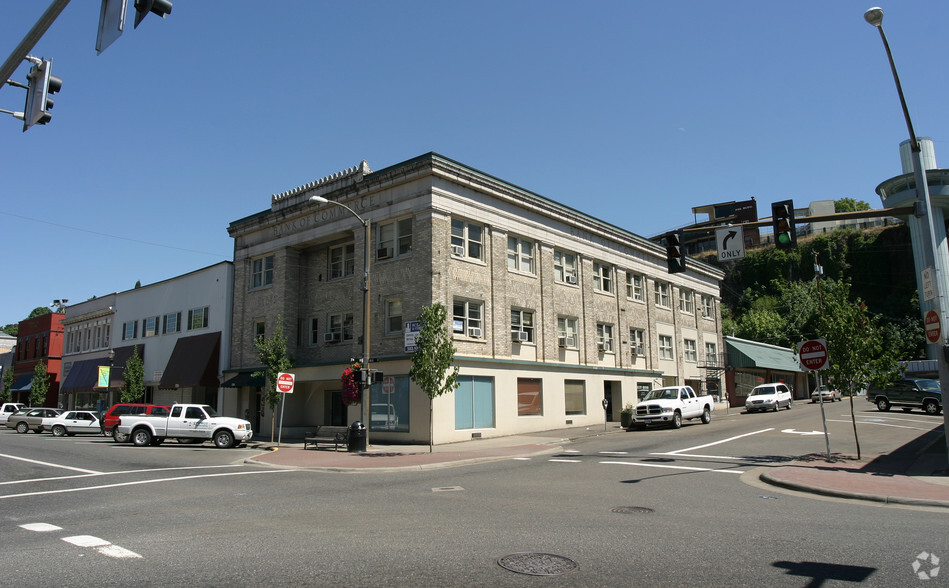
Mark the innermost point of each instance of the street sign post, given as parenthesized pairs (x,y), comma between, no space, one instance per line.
(285,381)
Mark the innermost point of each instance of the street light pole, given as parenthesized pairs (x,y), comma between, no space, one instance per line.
(365,304)
(874,16)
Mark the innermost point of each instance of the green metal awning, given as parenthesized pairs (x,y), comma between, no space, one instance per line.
(745,354)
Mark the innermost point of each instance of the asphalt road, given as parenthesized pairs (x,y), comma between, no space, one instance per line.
(655,507)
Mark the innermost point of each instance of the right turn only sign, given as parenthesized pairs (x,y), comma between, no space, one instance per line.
(813,354)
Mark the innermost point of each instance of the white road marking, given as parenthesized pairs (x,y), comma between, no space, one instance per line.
(681,451)
(671,467)
(521,458)
(615,452)
(566,460)
(41,527)
(139,482)
(883,424)
(102,546)
(52,465)
(119,473)
(796,432)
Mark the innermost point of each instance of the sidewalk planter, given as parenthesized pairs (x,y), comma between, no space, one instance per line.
(626,418)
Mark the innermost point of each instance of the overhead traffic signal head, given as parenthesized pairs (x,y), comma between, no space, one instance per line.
(142,7)
(782,221)
(38,101)
(675,255)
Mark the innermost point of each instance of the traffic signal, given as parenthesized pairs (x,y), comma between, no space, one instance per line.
(782,221)
(675,256)
(143,7)
(38,102)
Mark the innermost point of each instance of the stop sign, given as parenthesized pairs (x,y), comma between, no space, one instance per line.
(933,326)
(285,382)
(813,354)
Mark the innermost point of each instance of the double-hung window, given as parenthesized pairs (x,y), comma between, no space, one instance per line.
(661,290)
(635,287)
(567,332)
(394,239)
(602,277)
(261,273)
(171,323)
(342,260)
(707,307)
(522,326)
(393,316)
(686,300)
(711,354)
(690,350)
(150,326)
(467,239)
(565,267)
(520,255)
(665,347)
(604,337)
(637,344)
(129,330)
(341,327)
(467,318)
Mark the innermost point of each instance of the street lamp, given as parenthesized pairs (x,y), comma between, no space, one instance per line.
(874,16)
(365,304)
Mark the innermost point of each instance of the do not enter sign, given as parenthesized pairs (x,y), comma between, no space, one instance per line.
(933,326)
(285,382)
(813,354)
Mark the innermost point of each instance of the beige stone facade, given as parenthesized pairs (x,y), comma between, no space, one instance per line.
(552,310)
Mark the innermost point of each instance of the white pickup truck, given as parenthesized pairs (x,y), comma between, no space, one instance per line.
(670,405)
(188,423)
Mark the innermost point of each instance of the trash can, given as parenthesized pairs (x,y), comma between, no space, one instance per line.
(357,437)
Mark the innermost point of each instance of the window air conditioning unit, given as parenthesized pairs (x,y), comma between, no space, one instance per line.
(566,342)
(474,332)
(637,350)
(458,250)
(571,279)
(519,336)
(602,346)
(384,253)
(331,338)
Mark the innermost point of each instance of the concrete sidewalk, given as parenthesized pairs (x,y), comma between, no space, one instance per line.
(910,475)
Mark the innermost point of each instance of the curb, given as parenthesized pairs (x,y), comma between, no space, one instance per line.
(767,478)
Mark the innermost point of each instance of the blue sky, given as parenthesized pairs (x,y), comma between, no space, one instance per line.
(630,111)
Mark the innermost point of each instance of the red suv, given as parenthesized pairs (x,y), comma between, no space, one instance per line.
(110,419)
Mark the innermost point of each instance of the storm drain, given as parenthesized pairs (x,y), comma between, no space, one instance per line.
(632,510)
(538,564)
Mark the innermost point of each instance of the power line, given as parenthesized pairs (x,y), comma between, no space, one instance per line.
(46,222)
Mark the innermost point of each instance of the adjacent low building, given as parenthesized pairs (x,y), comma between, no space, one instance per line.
(554,314)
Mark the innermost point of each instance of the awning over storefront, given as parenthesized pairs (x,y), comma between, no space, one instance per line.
(193,362)
(122,355)
(22,384)
(242,379)
(83,375)
(751,354)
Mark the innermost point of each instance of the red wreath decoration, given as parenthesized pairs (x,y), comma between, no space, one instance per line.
(351,393)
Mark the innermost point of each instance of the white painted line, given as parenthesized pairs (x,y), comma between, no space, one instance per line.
(52,465)
(86,541)
(521,458)
(713,443)
(117,552)
(672,467)
(883,425)
(615,452)
(41,527)
(118,473)
(566,460)
(571,451)
(139,482)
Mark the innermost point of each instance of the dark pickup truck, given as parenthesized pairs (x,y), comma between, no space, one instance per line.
(908,393)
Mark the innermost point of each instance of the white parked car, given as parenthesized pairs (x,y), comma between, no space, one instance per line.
(9,408)
(768,397)
(75,421)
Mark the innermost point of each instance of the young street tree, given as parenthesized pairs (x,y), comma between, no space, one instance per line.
(40,385)
(7,384)
(431,362)
(272,352)
(134,376)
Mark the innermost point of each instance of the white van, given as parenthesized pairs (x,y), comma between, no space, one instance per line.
(768,397)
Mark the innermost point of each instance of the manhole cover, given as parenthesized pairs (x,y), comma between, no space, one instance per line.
(537,564)
(631,510)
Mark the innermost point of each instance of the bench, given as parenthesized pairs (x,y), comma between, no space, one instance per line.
(327,434)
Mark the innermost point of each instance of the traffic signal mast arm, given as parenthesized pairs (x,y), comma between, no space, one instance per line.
(876,213)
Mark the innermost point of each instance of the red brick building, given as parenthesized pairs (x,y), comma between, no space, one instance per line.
(38,339)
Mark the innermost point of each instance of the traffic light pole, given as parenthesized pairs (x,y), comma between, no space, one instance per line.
(29,41)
